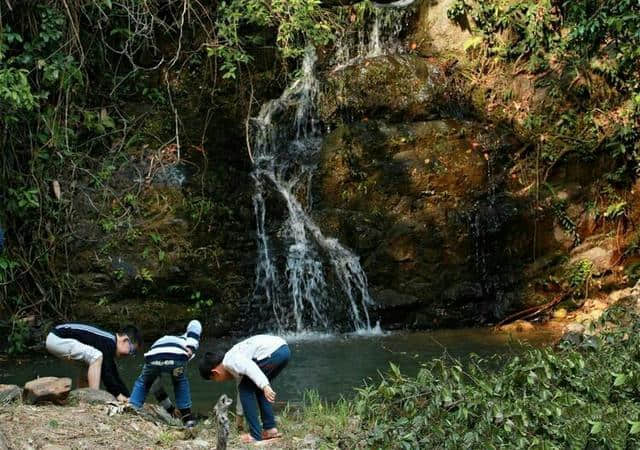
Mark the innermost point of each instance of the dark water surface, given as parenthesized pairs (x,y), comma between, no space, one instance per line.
(331,365)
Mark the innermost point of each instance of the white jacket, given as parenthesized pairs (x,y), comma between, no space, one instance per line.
(239,360)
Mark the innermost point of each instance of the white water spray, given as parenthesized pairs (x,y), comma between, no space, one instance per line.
(305,277)
(380,37)
(285,145)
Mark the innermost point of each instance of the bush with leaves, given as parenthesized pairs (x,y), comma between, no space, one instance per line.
(587,53)
(69,72)
(575,396)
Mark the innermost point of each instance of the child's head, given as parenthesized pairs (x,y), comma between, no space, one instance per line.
(211,367)
(128,341)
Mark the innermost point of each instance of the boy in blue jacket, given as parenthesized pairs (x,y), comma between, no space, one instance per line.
(169,354)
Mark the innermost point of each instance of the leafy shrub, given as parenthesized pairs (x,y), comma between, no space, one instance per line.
(575,396)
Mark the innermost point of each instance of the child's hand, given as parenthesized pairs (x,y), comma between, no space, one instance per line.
(269,393)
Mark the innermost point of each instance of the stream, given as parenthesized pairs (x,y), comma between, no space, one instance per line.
(332,365)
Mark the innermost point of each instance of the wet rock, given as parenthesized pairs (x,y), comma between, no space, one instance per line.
(519,326)
(463,291)
(46,389)
(401,249)
(599,257)
(89,395)
(422,208)
(596,250)
(437,31)
(621,294)
(405,87)
(572,337)
(390,298)
(575,328)
(9,393)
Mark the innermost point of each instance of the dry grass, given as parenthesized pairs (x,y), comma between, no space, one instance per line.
(87,426)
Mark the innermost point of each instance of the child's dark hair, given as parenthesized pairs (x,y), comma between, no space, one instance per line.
(209,361)
(132,333)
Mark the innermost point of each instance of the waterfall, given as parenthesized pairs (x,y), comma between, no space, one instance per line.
(380,36)
(308,280)
(285,143)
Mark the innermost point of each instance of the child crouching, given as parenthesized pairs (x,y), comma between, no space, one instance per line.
(253,363)
(169,354)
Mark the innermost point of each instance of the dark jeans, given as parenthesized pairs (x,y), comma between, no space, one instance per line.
(153,370)
(250,393)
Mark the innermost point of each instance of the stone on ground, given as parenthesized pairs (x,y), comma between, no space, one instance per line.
(46,389)
(89,395)
(9,393)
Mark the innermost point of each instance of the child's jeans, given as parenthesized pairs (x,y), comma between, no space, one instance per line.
(153,370)
(249,393)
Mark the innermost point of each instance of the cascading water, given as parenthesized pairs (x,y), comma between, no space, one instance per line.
(292,278)
(380,37)
(284,147)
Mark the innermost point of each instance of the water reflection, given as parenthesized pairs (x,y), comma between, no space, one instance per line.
(331,365)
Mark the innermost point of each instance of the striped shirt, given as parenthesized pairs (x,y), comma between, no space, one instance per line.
(176,348)
(103,341)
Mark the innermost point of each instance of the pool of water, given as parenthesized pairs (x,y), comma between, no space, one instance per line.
(331,365)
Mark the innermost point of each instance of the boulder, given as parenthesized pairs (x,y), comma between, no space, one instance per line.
(599,257)
(46,389)
(89,395)
(9,393)
(620,294)
(596,249)
(575,327)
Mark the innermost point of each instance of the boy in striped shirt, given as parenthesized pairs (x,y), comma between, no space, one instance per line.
(170,354)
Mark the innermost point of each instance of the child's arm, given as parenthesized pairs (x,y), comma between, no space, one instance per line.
(194,329)
(111,378)
(242,365)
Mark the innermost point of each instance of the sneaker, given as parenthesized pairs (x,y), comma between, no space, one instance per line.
(190,423)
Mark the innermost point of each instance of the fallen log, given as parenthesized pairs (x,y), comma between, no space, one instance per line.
(532,311)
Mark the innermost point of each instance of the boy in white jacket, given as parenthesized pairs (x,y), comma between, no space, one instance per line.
(253,363)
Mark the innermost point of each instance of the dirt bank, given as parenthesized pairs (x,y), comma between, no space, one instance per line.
(84,426)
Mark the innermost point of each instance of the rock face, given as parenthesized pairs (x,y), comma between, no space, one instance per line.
(426,206)
(401,87)
(436,32)
(89,395)
(9,393)
(46,389)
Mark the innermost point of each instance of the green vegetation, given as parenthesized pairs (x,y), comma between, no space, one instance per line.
(88,88)
(580,395)
(586,54)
